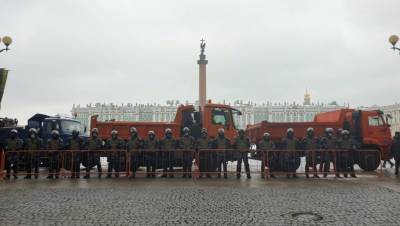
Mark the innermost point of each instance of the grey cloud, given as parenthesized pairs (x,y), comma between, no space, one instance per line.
(67,52)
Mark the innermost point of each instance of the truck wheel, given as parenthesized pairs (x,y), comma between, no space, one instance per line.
(368,161)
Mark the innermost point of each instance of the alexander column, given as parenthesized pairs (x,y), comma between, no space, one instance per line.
(202,76)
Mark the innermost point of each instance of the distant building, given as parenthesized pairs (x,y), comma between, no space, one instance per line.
(280,112)
(251,112)
(128,112)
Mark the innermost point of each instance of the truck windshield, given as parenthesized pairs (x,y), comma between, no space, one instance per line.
(375,121)
(218,117)
(68,126)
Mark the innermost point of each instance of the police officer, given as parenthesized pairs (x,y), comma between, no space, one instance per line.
(206,157)
(167,145)
(54,145)
(12,146)
(32,144)
(339,132)
(221,143)
(329,143)
(242,143)
(186,143)
(290,157)
(264,150)
(133,147)
(115,144)
(151,145)
(94,144)
(75,144)
(346,156)
(310,144)
(396,151)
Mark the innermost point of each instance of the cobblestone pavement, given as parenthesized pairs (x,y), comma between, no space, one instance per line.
(367,200)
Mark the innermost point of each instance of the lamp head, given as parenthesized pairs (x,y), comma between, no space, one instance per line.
(7,40)
(393,39)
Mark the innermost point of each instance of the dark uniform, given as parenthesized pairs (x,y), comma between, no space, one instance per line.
(268,157)
(167,146)
(290,157)
(186,143)
(151,145)
(12,146)
(396,151)
(310,144)
(55,144)
(329,143)
(345,158)
(133,146)
(32,145)
(242,143)
(92,156)
(115,157)
(221,142)
(207,158)
(75,144)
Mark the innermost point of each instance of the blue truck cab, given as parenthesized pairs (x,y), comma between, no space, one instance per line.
(65,126)
(45,124)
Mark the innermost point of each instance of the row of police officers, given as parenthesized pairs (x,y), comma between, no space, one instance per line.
(154,153)
(167,152)
(338,149)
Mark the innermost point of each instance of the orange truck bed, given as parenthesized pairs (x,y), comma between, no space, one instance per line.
(333,119)
(143,128)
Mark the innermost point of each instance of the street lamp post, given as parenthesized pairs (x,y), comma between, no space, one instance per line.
(7,42)
(393,40)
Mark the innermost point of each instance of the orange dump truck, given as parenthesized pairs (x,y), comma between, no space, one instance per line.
(212,117)
(369,128)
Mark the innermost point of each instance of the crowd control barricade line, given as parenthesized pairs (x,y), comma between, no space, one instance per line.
(203,162)
(320,162)
(59,163)
(2,164)
(164,162)
(224,162)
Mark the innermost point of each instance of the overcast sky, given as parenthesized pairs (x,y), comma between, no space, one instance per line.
(67,52)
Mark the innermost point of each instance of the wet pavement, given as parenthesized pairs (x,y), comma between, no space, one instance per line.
(369,200)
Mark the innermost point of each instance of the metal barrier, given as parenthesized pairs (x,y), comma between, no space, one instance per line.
(67,163)
(220,162)
(2,164)
(320,162)
(194,163)
(60,163)
(165,160)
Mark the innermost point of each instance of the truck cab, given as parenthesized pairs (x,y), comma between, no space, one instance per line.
(64,125)
(371,129)
(212,117)
(45,124)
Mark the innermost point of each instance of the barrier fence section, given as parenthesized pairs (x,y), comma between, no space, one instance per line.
(319,162)
(189,163)
(2,164)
